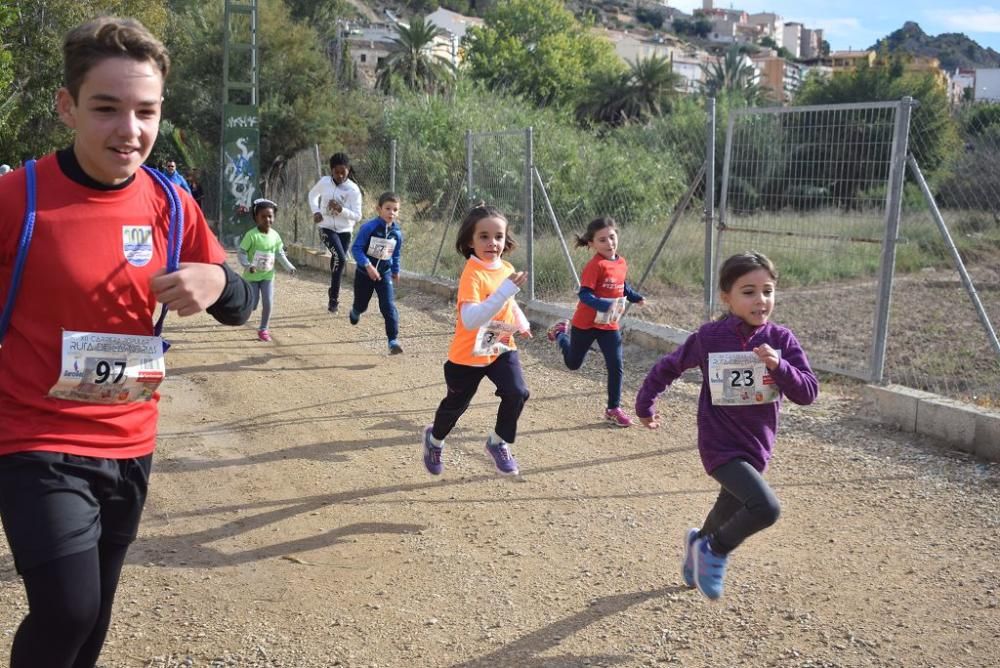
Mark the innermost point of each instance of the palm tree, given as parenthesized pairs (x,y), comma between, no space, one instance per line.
(637,95)
(412,64)
(650,85)
(732,74)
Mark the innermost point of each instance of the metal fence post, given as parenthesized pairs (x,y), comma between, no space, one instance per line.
(529,208)
(713,260)
(893,209)
(468,166)
(392,165)
(709,206)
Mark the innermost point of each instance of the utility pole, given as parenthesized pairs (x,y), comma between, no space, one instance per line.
(240,147)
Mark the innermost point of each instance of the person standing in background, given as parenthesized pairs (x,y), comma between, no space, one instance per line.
(176,177)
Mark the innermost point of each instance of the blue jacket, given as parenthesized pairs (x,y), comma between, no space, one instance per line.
(179,179)
(376,227)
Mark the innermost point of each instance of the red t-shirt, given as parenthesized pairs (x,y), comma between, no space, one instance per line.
(77,277)
(607,279)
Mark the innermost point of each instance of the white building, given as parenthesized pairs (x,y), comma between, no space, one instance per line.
(771,25)
(455,26)
(987,85)
(792,38)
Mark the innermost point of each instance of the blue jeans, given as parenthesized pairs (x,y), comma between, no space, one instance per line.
(363,289)
(577,343)
(262,293)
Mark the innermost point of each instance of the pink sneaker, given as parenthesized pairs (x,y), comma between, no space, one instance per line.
(557,329)
(618,417)
(264,335)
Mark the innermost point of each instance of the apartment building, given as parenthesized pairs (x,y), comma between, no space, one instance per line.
(780,78)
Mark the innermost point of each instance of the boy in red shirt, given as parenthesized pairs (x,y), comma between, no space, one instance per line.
(80,363)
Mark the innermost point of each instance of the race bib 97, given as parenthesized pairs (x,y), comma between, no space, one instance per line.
(740,379)
(109,368)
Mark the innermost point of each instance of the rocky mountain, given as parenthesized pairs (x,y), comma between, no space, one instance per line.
(952,49)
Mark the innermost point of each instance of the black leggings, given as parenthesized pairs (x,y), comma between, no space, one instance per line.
(745,506)
(69,609)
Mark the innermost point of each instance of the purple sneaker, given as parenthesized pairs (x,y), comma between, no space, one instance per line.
(502,458)
(432,454)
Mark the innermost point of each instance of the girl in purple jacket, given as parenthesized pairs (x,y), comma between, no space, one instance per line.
(747,365)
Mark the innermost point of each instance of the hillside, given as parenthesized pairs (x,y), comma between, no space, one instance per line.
(952,49)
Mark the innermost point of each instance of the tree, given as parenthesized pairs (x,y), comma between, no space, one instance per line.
(699,26)
(933,138)
(653,17)
(537,49)
(733,73)
(32,38)
(645,91)
(413,64)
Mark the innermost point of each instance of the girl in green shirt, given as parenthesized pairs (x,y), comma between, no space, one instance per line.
(259,249)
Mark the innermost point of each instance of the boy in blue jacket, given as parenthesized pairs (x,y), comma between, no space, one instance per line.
(376,249)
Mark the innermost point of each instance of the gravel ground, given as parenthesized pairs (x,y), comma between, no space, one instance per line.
(291,523)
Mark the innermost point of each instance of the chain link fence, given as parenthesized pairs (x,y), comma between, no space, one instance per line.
(814,188)
(946,292)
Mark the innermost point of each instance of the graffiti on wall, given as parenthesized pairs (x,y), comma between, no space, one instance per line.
(239,174)
(240,166)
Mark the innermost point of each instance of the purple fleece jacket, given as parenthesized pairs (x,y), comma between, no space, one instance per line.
(726,433)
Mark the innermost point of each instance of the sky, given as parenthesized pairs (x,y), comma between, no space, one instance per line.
(857,24)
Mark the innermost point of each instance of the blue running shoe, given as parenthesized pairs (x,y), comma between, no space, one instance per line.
(394,347)
(709,569)
(354,316)
(432,454)
(687,565)
(502,458)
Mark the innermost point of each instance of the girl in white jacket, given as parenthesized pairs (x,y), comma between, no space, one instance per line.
(336,205)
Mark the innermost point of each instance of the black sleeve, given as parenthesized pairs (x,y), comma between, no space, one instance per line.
(233,307)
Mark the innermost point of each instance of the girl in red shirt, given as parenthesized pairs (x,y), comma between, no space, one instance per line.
(603,294)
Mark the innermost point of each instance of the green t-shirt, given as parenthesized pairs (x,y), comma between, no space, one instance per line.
(262,250)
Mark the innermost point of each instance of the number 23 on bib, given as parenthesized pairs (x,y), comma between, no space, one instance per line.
(740,379)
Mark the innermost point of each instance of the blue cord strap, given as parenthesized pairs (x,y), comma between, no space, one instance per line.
(175,235)
(27,229)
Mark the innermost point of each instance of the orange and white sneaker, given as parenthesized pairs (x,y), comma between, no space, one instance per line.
(618,417)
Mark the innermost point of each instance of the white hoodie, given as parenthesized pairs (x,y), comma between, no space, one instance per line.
(347,194)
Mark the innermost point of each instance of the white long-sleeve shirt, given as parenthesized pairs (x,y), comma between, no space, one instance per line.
(475,316)
(347,194)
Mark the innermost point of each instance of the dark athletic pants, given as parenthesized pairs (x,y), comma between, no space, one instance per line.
(69,521)
(463,381)
(575,347)
(337,243)
(746,505)
(364,287)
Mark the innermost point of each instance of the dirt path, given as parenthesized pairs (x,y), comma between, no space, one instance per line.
(291,522)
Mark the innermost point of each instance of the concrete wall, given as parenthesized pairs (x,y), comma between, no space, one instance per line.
(959,425)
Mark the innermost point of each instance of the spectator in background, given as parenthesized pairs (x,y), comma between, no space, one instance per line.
(4,169)
(194,183)
(176,177)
